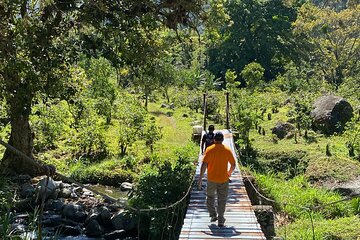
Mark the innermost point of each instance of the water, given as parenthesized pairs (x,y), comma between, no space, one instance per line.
(113,192)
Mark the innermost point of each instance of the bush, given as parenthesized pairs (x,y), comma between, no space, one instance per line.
(108,172)
(50,122)
(163,184)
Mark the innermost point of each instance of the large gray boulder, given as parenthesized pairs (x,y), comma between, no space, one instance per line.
(330,113)
(282,129)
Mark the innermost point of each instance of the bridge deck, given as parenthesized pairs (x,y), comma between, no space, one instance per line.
(241,222)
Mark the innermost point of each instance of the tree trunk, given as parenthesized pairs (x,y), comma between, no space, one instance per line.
(146,101)
(21,138)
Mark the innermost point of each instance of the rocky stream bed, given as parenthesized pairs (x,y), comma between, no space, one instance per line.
(69,212)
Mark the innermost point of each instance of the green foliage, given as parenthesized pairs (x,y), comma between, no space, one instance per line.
(295,195)
(341,228)
(151,134)
(230,77)
(333,38)
(352,134)
(289,163)
(245,115)
(102,86)
(253,74)
(163,184)
(132,118)
(109,172)
(51,121)
(300,114)
(89,139)
(259,31)
(332,169)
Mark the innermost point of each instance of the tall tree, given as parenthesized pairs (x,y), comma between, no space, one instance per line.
(36,50)
(34,53)
(258,31)
(334,37)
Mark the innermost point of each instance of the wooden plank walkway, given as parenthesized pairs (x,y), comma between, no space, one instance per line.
(241,222)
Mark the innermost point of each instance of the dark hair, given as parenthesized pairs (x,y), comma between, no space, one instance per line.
(219,136)
(211,128)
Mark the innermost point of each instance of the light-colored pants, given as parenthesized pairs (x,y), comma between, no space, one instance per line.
(221,189)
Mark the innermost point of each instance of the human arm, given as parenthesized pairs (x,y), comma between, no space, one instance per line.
(202,171)
(232,165)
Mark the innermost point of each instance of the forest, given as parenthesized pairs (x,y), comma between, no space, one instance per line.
(107,93)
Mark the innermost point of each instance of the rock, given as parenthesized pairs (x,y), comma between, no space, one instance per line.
(163,105)
(46,190)
(65,193)
(282,129)
(18,228)
(101,214)
(68,230)
(78,190)
(74,195)
(74,212)
(172,106)
(64,185)
(93,229)
(105,217)
(117,234)
(126,186)
(55,205)
(185,115)
(52,221)
(197,129)
(330,113)
(123,220)
(27,190)
(118,220)
(265,217)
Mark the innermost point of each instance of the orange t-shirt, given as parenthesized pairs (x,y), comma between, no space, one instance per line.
(217,157)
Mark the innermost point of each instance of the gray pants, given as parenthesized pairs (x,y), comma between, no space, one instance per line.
(222,192)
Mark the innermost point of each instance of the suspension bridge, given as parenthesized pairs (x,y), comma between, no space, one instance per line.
(241,222)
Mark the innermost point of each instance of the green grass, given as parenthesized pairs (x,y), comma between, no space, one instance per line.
(295,195)
(347,228)
(176,129)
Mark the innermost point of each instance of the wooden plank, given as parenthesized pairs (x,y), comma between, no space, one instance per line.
(241,222)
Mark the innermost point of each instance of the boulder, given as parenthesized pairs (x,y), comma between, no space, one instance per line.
(117,234)
(282,129)
(27,190)
(46,188)
(330,113)
(55,205)
(65,193)
(124,220)
(93,229)
(74,212)
(126,186)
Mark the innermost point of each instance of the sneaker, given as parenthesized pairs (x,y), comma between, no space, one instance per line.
(213,219)
(220,225)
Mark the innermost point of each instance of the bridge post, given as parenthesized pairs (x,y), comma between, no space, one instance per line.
(227,111)
(205,111)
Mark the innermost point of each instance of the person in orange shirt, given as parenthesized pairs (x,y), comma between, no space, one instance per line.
(216,160)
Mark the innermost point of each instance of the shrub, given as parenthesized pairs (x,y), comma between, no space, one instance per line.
(160,185)
(50,122)
(108,172)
